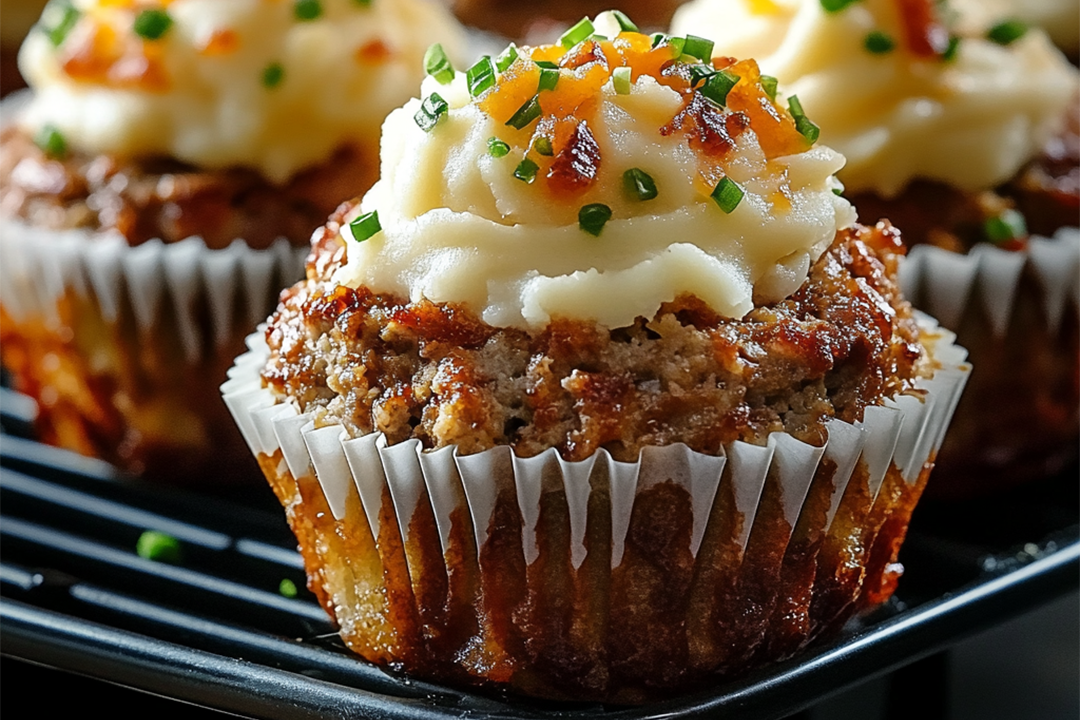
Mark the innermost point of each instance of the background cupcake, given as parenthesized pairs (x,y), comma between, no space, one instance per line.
(963,128)
(159,185)
(597,394)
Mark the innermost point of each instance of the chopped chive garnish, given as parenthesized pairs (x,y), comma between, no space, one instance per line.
(542,145)
(287,588)
(879,43)
(1007,32)
(727,194)
(717,87)
(526,113)
(581,31)
(51,142)
(272,75)
(621,79)
(768,84)
(506,58)
(154,545)
(152,24)
(639,184)
(526,171)
(307,9)
(1009,225)
(838,187)
(546,64)
(497,148)
(438,65)
(698,47)
(481,76)
(592,218)
(549,78)
(657,38)
(952,49)
(807,129)
(700,72)
(625,23)
(677,44)
(598,37)
(834,6)
(365,226)
(431,112)
(65,17)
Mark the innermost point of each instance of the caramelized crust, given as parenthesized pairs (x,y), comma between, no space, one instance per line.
(438,374)
(167,199)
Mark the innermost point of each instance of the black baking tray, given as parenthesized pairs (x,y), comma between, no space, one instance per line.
(215,631)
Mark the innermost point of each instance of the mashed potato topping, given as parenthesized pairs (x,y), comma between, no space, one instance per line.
(275,85)
(905,89)
(596,179)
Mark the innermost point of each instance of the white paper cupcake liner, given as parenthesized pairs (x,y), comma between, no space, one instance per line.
(905,432)
(948,284)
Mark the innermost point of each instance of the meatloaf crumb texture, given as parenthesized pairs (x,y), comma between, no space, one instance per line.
(163,198)
(436,373)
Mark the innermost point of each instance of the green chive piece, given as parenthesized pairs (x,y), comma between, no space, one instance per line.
(835,6)
(431,112)
(549,78)
(51,142)
(698,47)
(272,75)
(598,38)
(365,226)
(807,129)
(768,84)
(727,195)
(157,546)
(952,49)
(438,65)
(481,76)
(307,9)
(526,171)
(657,38)
(621,79)
(581,31)
(717,87)
(625,23)
(526,113)
(497,148)
(287,588)
(65,17)
(699,73)
(152,24)
(546,64)
(1007,32)
(838,187)
(677,44)
(1009,225)
(638,184)
(592,218)
(506,57)
(879,43)
(542,145)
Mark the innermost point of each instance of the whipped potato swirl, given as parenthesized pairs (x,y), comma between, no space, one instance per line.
(458,226)
(971,121)
(273,85)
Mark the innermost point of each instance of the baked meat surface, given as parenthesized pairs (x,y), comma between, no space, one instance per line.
(437,373)
(167,199)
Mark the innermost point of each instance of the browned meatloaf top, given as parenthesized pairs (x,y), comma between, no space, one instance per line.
(437,373)
(167,199)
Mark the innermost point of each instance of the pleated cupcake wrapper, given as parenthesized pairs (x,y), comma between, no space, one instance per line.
(905,432)
(948,284)
(39,266)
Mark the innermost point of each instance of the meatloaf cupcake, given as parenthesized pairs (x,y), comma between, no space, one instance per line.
(599,393)
(963,128)
(16,19)
(159,185)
